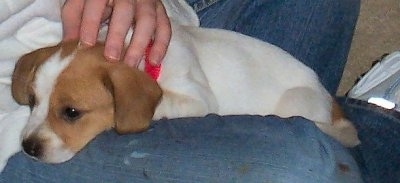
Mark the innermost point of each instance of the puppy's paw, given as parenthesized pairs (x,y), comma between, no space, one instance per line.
(174,105)
(342,130)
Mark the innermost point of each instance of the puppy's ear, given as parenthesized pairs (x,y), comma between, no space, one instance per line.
(24,73)
(136,97)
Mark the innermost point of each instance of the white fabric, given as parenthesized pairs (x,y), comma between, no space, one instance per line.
(26,25)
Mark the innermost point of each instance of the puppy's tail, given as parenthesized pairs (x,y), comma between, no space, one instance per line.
(341,128)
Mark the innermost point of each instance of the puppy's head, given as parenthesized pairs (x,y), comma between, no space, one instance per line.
(74,95)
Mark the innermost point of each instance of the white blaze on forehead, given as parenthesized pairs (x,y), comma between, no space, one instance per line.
(43,85)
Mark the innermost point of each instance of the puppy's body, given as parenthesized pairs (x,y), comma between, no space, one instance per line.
(205,71)
(232,76)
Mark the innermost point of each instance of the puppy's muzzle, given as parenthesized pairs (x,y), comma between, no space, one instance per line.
(33,147)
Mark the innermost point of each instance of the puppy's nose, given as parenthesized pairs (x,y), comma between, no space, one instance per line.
(32,147)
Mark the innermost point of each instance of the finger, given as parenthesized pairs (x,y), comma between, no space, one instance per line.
(91,19)
(162,36)
(121,21)
(107,13)
(71,15)
(145,17)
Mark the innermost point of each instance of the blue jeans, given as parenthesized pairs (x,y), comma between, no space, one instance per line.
(209,149)
(238,148)
(378,156)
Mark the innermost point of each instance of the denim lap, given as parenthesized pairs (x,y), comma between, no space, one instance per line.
(209,149)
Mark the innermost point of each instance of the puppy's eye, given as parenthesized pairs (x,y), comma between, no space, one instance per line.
(32,101)
(71,114)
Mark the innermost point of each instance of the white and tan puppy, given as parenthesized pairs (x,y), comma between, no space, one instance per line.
(75,94)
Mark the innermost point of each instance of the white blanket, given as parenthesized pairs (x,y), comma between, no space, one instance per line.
(26,25)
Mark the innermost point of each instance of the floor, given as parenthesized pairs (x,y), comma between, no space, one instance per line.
(377,33)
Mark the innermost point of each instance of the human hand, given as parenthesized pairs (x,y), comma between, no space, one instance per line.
(82,18)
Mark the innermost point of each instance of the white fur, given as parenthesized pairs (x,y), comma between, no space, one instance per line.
(55,150)
(228,73)
(43,85)
(218,71)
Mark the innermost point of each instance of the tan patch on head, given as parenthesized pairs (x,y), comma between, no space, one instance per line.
(27,65)
(136,97)
(105,94)
(25,70)
(80,86)
(68,48)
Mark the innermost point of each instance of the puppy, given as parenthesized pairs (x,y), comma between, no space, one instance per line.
(74,94)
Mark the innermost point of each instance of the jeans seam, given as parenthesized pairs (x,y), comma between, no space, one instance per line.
(391,114)
(203,4)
